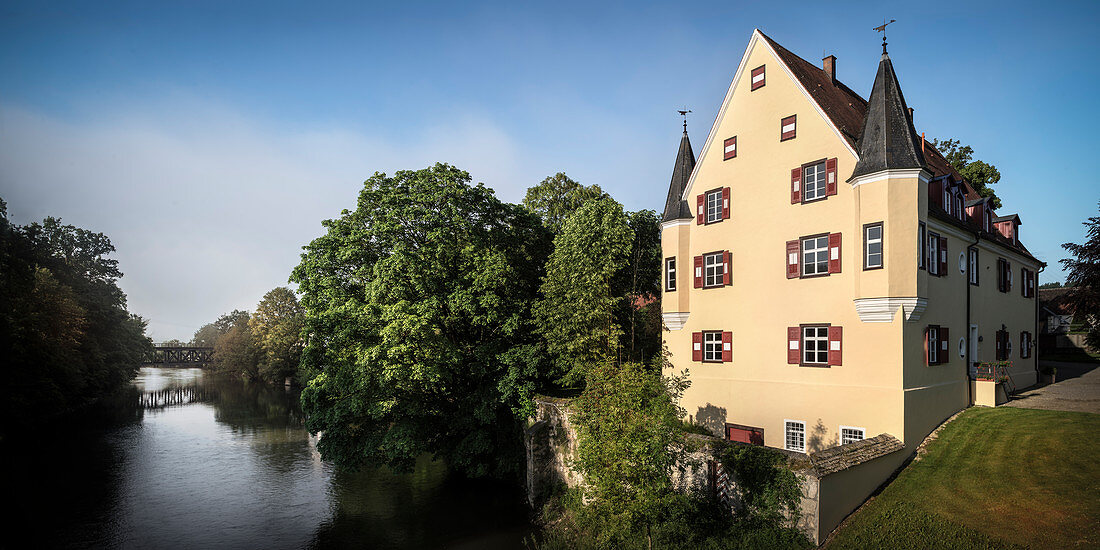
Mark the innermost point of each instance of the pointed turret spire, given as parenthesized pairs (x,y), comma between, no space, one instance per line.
(675,207)
(888,140)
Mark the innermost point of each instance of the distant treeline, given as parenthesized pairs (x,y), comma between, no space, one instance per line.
(265,345)
(66,337)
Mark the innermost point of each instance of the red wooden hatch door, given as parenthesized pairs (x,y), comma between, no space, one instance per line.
(745,434)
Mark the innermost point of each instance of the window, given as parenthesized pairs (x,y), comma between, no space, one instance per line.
(972,265)
(959,205)
(849,434)
(795,432)
(815,255)
(730,148)
(872,246)
(787,128)
(670,274)
(946,198)
(933,345)
(712,346)
(1004,275)
(714,206)
(921,246)
(713,270)
(813,181)
(933,253)
(815,345)
(757,78)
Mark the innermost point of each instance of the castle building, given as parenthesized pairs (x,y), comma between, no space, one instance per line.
(828,276)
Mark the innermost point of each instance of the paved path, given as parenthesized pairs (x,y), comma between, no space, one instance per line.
(1077,389)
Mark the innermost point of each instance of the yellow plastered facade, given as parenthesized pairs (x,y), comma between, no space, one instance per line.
(883,384)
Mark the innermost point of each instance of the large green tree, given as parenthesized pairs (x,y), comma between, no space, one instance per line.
(209,334)
(277,329)
(557,197)
(1083,275)
(629,439)
(980,174)
(420,337)
(599,295)
(67,339)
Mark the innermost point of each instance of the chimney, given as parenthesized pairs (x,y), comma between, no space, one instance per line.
(828,64)
(910,113)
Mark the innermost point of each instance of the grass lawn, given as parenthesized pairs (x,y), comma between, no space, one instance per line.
(995,478)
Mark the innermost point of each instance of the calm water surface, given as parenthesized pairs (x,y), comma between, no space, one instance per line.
(237,469)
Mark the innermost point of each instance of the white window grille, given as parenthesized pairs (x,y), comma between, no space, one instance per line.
(712,346)
(813,182)
(873,248)
(714,269)
(714,206)
(795,435)
(815,345)
(815,255)
(670,273)
(849,434)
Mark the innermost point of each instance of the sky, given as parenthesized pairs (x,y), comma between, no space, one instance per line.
(209,140)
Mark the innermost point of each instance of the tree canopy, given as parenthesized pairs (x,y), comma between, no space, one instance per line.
(1083,274)
(276,327)
(980,174)
(417,307)
(557,197)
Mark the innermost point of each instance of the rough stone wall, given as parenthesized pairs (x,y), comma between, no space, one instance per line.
(551,442)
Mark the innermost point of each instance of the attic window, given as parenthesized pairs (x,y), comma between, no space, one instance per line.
(757,78)
(787,127)
(730,148)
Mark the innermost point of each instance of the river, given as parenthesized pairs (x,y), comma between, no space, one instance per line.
(237,469)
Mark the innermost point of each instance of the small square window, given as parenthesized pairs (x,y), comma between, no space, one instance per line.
(670,274)
(714,269)
(787,127)
(714,206)
(813,182)
(872,246)
(815,255)
(795,432)
(815,345)
(849,434)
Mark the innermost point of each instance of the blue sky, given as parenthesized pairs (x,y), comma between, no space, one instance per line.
(209,140)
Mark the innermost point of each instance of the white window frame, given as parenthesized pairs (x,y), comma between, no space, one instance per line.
(868,241)
(933,345)
(713,270)
(958,204)
(821,345)
(972,265)
(815,182)
(670,274)
(798,435)
(712,346)
(933,253)
(820,251)
(946,198)
(714,206)
(862,434)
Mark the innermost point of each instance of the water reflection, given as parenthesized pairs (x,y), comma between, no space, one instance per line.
(235,468)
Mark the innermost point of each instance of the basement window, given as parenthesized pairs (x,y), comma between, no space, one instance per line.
(849,434)
(795,435)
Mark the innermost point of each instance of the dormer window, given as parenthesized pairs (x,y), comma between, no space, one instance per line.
(958,204)
(988,219)
(946,198)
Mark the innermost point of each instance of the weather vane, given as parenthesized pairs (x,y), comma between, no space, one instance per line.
(882,28)
(684,113)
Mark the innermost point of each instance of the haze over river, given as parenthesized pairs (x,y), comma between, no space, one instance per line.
(236,470)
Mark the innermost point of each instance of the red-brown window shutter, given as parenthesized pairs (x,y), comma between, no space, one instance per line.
(757,78)
(700,209)
(697,346)
(926,356)
(935,192)
(796,185)
(727,276)
(836,334)
(792,259)
(834,252)
(943,257)
(725,203)
(727,346)
(945,339)
(787,127)
(830,177)
(698,272)
(794,345)
(729,147)
(1008,277)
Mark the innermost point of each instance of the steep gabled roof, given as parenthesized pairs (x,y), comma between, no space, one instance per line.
(888,140)
(675,207)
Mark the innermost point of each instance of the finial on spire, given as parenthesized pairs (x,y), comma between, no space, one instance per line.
(882,29)
(684,113)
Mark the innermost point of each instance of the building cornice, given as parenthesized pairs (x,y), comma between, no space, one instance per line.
(675,320)
(882,310)
(674,223)
(920,173)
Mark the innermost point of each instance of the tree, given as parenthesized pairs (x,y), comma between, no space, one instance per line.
(1083,274)
(209,334)
(583,289)
(277,327)
(1050,285)
(629,438)
(420,334)
(236,353)
(557,197)
(981,175)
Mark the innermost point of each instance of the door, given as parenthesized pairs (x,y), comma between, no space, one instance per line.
(974,356)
